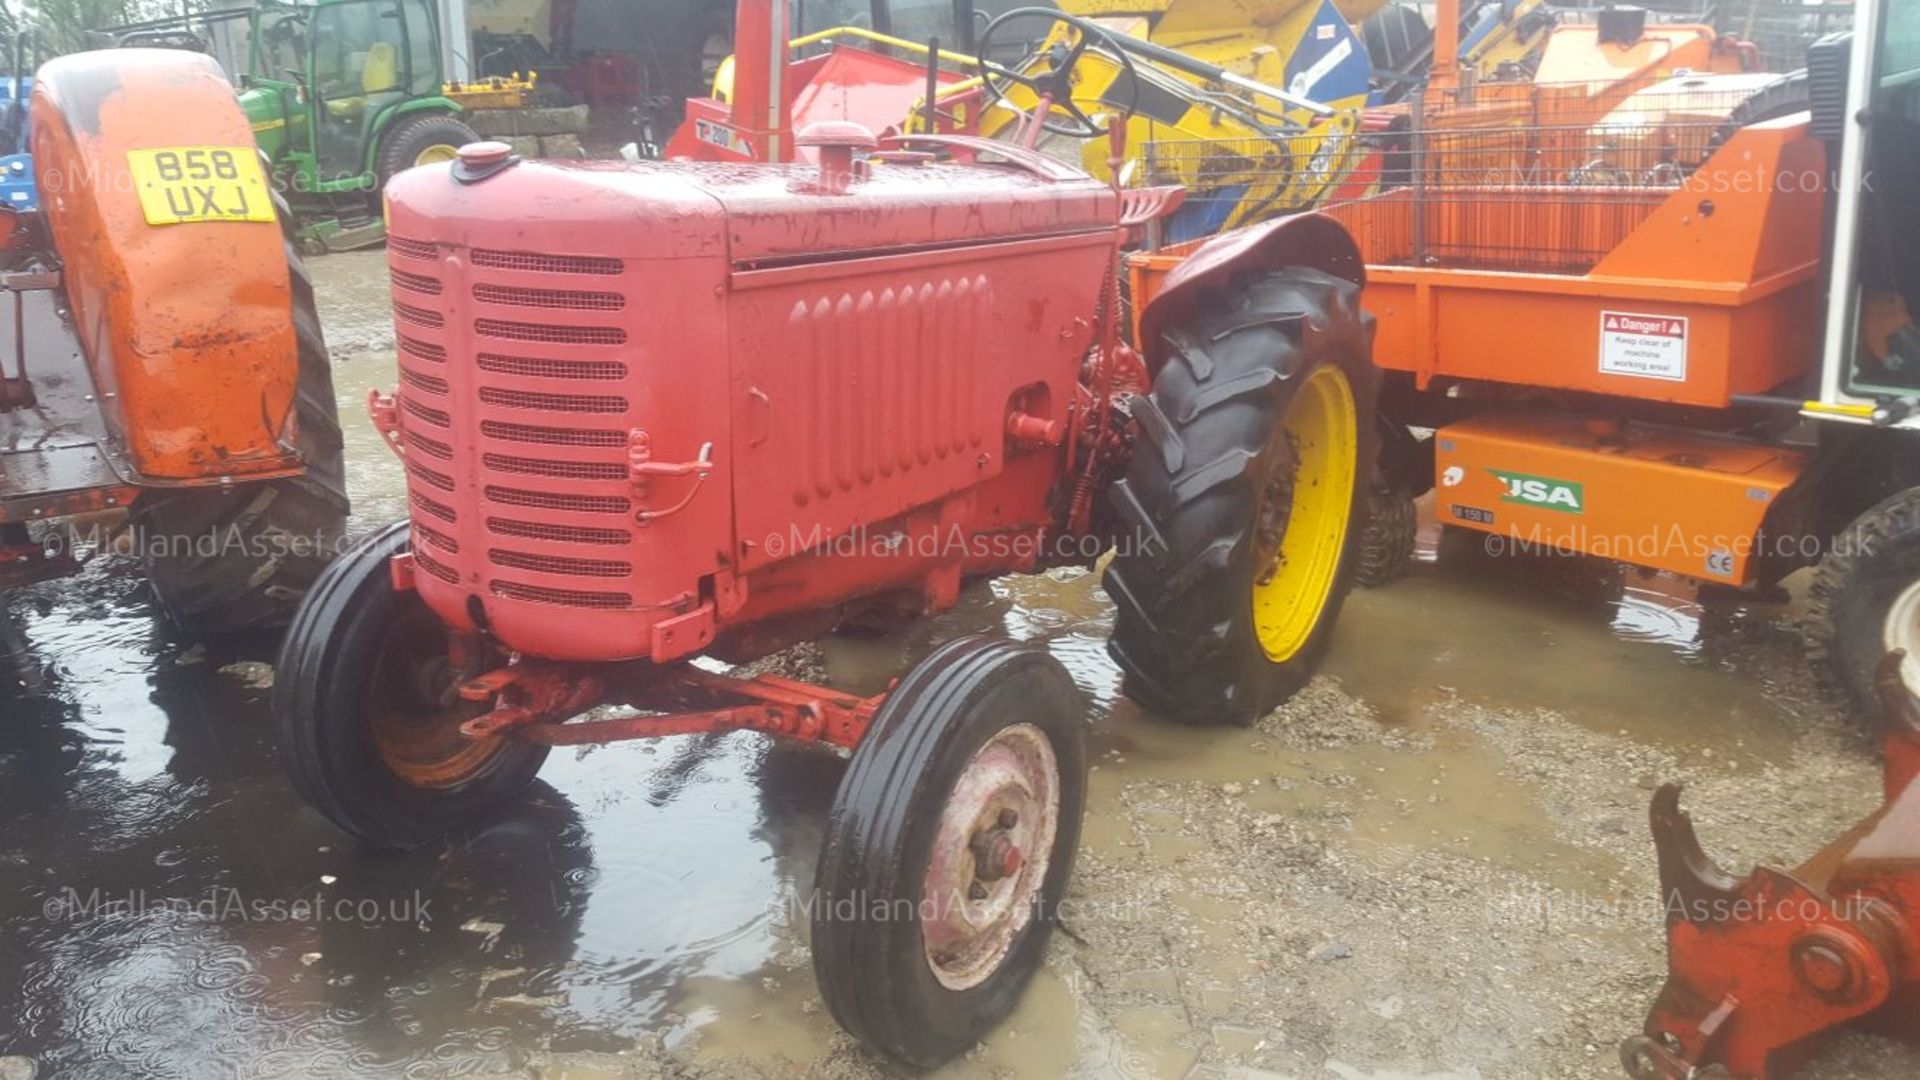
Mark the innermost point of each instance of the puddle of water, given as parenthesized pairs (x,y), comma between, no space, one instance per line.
(642,888)
(1570,635)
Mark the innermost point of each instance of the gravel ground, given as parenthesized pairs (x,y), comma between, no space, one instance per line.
(1472,895)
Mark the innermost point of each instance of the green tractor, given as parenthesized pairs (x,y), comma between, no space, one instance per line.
(342,94)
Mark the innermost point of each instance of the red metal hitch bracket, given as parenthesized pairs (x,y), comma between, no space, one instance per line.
(528,693)
(1758,966)
(641,468)
(384,411)
(533,700)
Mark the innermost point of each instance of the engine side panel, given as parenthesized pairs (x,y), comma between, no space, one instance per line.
(887,386)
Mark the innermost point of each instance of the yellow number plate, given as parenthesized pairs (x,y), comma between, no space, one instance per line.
(200,183)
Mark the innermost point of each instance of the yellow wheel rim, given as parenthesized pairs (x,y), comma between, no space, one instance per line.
(436,153)
(1301,524)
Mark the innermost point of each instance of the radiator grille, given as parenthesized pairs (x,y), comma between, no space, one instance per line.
(431,477)
(430,415)
(419,283)
(565,534)
(428,534)
(548,334)
(428,564)
(559,564)
(530,399)
(432,320)
(565,464)
(544,264)
(557,299)
(549,500)
(513,590)
(422,350)
(432,507)
(551,436)
(432,384)
(430,447)
(568,470)
(535,368)
(412,249)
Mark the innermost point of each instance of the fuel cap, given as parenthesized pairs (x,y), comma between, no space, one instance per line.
(479,160)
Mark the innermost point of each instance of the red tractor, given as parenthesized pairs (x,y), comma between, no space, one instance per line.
(658,411)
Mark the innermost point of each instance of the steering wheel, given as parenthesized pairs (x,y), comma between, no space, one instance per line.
(1055,85)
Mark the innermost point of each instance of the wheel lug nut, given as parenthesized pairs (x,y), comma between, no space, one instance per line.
(1009,817)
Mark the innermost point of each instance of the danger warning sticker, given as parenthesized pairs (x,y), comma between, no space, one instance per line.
(1644,346)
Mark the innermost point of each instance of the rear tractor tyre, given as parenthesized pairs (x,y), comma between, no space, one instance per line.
(368,727)
(949,848)
(1865,602)
(1243,506)
(1387,541)
(222,561)
(421,139)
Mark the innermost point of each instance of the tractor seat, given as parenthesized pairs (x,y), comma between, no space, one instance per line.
(379,84)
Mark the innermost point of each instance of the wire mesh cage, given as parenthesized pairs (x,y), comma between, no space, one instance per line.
(1536,178)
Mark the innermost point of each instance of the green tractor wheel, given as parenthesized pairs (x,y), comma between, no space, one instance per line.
(423,139)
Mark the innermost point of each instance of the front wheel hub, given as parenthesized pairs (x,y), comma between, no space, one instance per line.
(990,854)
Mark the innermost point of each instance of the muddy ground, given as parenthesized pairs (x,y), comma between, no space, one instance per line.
(1433,863)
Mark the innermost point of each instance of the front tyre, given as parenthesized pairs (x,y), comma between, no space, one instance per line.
(948,852)
(1865,602)
(368,725)
(1244,502)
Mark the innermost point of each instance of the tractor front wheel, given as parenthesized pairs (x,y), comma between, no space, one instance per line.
(948,852)
(368,721)
(1865,602)
(1243,505)
(422,139)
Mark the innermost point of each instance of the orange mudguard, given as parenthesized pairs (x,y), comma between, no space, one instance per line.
(173,262)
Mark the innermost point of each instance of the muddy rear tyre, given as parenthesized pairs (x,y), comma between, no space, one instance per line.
(1387,541)
(1865,601)
(925,932)
(361,711)
(1240,512)
(224,561)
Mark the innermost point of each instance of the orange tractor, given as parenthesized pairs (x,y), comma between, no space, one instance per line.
(162,356)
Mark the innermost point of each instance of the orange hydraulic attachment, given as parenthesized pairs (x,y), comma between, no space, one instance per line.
(1654,497)
(1759,965)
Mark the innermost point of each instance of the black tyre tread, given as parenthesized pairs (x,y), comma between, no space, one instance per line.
(298,671)
(1227,380)
(1387,540)
(409,135)
(213,590)
(1847,601)
(887,769)
(307,678)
